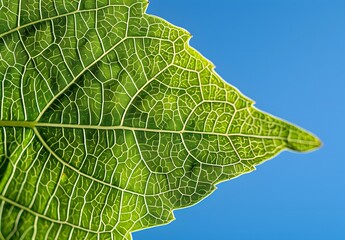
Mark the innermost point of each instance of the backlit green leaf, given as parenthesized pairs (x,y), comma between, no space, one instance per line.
(109,121)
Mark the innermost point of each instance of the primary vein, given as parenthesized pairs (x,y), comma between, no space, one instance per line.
(34,124)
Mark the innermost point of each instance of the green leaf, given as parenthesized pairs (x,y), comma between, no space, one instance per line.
(109,121)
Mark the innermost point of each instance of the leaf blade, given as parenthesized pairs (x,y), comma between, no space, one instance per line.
(107,128)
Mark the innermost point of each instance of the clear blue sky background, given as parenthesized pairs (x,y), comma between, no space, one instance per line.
(288,56)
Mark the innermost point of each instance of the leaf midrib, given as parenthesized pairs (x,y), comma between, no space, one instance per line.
(35,124)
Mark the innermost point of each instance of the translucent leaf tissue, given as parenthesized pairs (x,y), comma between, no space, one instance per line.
(109,121)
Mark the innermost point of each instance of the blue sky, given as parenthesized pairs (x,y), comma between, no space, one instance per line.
(288,56)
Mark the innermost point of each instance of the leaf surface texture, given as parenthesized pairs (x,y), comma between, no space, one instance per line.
(109,121)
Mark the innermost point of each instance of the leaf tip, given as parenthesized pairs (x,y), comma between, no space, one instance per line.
(303,141)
